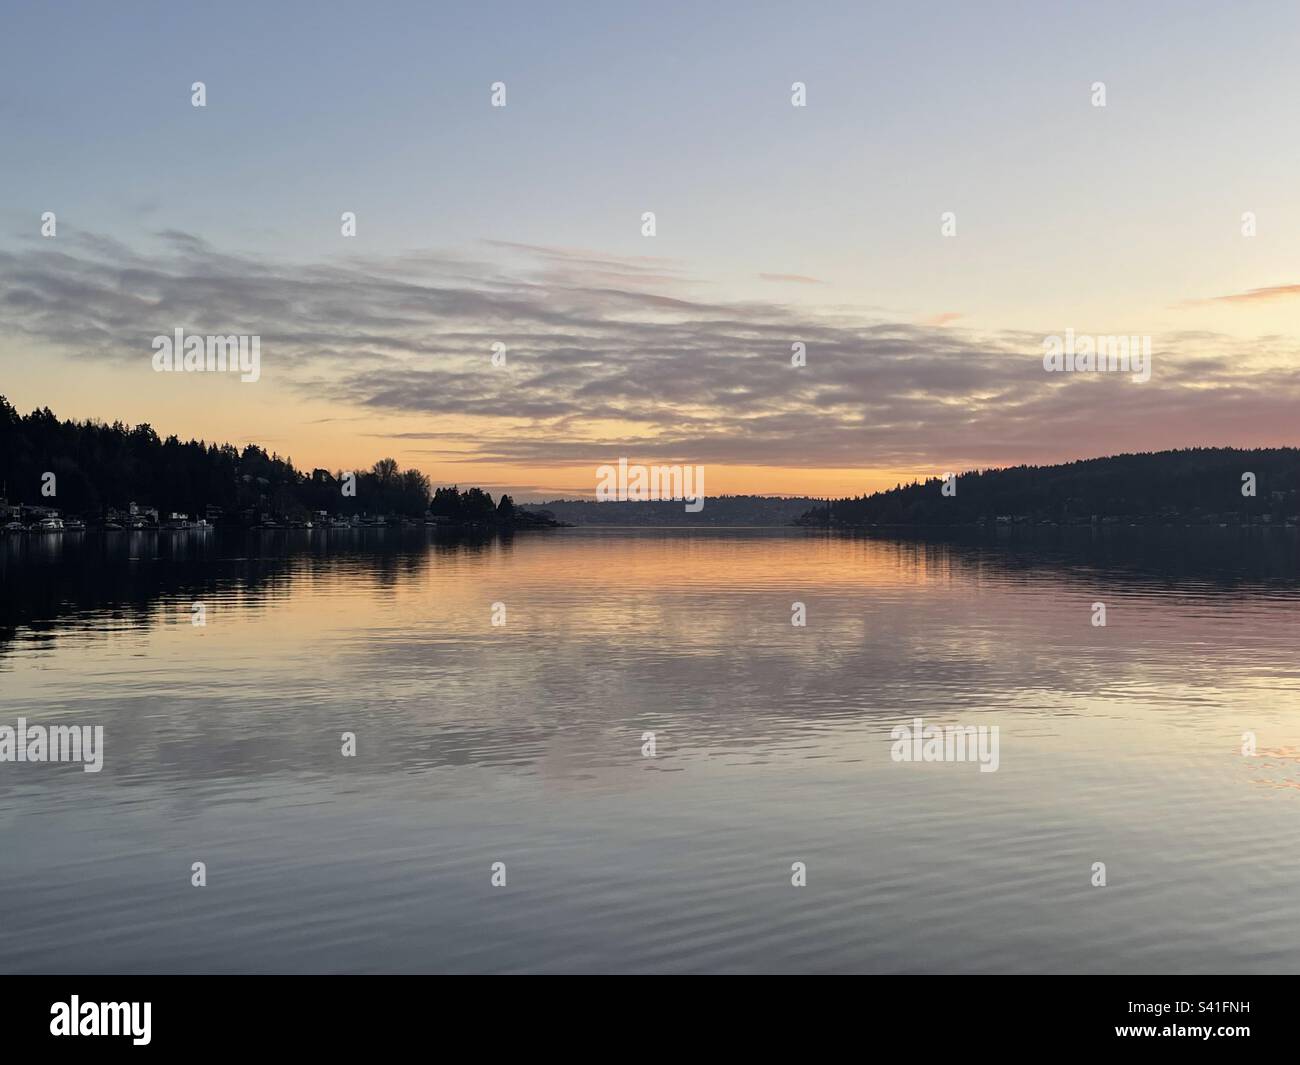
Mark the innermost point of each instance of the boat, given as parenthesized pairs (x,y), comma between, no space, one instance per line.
(50,525)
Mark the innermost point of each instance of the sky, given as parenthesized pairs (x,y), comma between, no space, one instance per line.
(522,225)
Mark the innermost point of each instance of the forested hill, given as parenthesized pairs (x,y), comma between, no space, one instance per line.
(97,466)
(717,510)
(1194,485)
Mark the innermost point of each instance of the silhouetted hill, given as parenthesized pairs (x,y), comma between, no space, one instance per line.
(717,510)
(1194,485)
(100,468)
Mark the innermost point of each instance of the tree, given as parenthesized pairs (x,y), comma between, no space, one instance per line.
(385,471)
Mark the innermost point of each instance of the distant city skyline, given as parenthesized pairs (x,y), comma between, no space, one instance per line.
(775,225)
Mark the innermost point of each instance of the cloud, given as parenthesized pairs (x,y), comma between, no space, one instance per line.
(609,356)
(1255,295)
(798,279)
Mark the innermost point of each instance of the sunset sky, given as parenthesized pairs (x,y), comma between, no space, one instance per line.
(775,225)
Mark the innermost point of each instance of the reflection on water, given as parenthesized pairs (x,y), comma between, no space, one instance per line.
(522,744)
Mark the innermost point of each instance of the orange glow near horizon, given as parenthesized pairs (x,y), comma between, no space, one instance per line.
(316,427)
(315,434)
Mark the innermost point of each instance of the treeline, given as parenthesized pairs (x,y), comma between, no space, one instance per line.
(97,466)
(1197,485)
(717,510)
(472,505)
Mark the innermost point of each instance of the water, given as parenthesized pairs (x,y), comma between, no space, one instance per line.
(522,744)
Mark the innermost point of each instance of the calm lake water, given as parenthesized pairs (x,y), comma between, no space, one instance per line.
(522,743)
